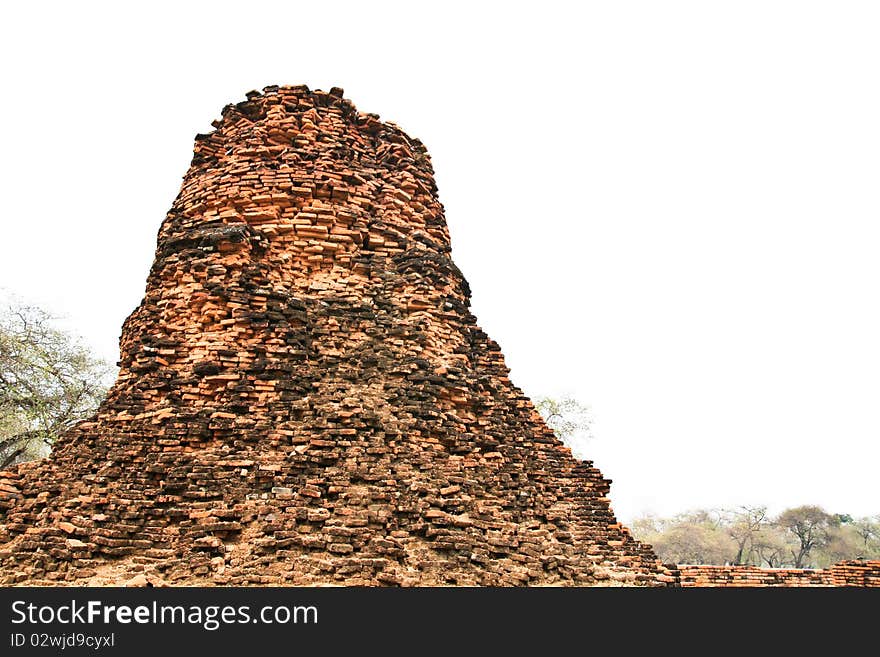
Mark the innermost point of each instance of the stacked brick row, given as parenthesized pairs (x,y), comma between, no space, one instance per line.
(304,396)
(855,573)
(735,576)
(846,573)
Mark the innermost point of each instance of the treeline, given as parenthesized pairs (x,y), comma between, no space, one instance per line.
(800,537)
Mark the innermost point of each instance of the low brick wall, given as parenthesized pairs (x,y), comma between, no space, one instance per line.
(855,573)
(845,573)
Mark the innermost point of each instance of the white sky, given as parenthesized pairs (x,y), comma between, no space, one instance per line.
(668,210)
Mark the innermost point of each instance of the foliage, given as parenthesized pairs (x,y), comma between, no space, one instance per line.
(800,537)
(48,382)
(695,537)
(569,419)
(811,526)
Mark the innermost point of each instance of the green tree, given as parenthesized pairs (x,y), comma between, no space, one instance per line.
(773,546)
(48,382)
(698,537)
(843,543)
(812,527)
(868,531)
(570,420)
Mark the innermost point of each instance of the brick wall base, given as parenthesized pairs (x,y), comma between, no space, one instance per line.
(845,573)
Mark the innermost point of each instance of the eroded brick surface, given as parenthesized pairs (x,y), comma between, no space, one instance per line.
(845,573)
(304,396)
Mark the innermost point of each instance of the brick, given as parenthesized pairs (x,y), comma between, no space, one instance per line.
(304,396)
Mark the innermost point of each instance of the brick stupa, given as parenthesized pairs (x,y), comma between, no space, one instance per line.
(304,396)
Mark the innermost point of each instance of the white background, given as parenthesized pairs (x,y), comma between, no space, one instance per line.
(668,210)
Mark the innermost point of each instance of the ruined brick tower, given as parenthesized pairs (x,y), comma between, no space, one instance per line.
(304,396)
